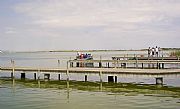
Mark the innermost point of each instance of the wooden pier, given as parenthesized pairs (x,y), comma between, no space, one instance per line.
(95,70)
(156,72)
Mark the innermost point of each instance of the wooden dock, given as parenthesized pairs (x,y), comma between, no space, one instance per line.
(156,72)
(95,70)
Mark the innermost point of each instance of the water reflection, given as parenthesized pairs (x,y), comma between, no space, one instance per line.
(127,89)
(67,90)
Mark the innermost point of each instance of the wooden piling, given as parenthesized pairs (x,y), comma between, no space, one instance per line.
(39,73)
(85,78)
(162,65)
(71,64)
(100,75)
(115,79)
(67,71)
(59,77)
(23,75)
(13,68)
(34,76)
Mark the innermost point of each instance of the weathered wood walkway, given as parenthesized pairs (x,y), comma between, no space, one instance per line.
(95,70)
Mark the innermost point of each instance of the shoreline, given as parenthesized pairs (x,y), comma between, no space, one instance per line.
(100,50)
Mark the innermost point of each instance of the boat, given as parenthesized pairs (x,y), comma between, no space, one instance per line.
(84,56)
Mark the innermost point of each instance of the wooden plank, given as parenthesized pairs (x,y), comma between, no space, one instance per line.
(96,70)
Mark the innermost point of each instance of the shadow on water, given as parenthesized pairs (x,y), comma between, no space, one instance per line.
(127,89)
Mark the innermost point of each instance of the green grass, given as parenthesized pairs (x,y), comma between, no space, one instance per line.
(175,53)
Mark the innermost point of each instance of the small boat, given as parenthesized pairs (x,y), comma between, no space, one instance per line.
(84,56)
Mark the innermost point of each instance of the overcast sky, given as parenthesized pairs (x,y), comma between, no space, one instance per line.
(88,24)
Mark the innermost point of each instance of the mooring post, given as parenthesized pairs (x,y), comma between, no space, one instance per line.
(34,76)
(59,77)
(39,82)
(100,62)
(108,65)
(115,79)
(67,71)
(39,74)
(159,80)
(71,64)
(13,69)
(100,75)
(158,64)
(85,78)
(162,65)
(23,75)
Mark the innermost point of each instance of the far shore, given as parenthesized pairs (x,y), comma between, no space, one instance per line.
(164,49)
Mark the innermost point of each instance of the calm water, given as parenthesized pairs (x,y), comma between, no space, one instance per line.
(132,92)
(83,95)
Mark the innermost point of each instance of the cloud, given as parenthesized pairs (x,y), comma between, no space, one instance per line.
(63,13)
(10,30)
(110,20)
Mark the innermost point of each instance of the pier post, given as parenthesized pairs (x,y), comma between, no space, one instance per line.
(85,78)
(162,65)
(39,82)
(23,76)
(100,64)
(59,77)
(39,73)
(13,69)
(34,76)
(71,64)
(157,64)
(100,75)
(12,76)
(110,78)
(46,76)
(115,79)
(142,65)
(108,65)
(159,80)
(67,71)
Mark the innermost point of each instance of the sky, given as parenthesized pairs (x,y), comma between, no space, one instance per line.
(30,25)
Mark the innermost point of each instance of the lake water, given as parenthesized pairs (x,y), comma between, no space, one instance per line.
(85,95)
(131,91)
